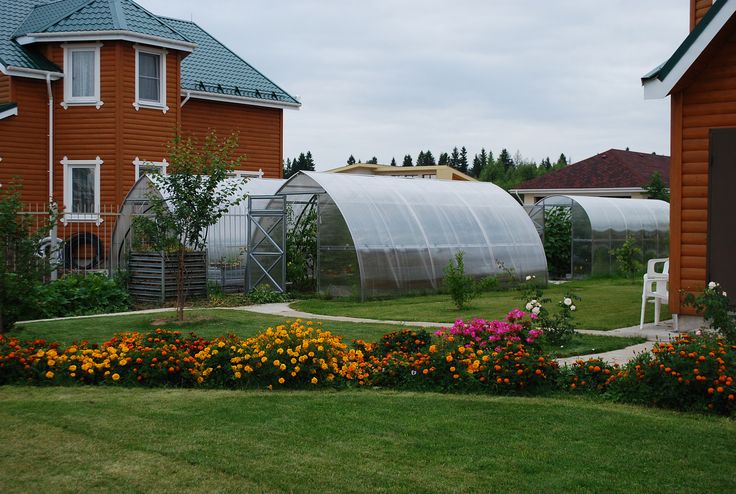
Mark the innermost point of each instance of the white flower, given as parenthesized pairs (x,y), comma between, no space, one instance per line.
(712,285)
(572,307)
(529,306)
(698,332)
(535,310)
(534,302)
(567,301)
(725,294)
(528,277)
(413,372)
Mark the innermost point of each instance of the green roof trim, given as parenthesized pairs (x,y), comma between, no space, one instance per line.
(7,106)
(664,69)
(14,13)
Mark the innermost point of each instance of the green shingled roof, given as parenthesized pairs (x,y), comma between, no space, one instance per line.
(14,12)
(213,68)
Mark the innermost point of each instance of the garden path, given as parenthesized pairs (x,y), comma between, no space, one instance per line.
(663,332)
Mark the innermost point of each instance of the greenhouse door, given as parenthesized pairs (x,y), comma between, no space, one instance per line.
(266,261)
(721,220)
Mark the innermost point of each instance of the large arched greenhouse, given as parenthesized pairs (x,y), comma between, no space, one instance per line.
(382,236)
(588,229)
(374,236)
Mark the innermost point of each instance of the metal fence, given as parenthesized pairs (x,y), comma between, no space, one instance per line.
(75,243)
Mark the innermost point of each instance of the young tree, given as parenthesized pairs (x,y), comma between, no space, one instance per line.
(407,161)
(351,160)
(561,161)
(429,159)
(393,161)
(443,159)
(505,160)
(372,161)
(477,167)
(193,195)
(420,159)
(546,164)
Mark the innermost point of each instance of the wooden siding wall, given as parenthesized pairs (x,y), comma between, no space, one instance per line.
(4,88)
(698,9)
(260,131)
(709,101)
(24,140)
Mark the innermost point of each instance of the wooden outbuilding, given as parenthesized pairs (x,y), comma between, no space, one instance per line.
(700,79)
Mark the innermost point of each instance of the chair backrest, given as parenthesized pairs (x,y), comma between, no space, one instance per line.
(652,267)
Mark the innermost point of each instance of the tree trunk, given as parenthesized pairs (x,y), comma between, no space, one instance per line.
(180,292)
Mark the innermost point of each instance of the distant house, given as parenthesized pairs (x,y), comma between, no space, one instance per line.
(612,173)
(700,78)
(436,172)
(92,92)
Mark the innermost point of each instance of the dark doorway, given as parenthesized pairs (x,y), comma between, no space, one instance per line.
(721,210)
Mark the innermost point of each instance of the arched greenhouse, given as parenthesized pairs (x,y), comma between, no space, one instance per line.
(580,232)
(380,236)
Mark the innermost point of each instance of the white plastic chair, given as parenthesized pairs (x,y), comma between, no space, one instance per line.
(655,286)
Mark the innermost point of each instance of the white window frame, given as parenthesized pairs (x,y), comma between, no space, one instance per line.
(69,165)
(70,100)
(161,165)
(161,104)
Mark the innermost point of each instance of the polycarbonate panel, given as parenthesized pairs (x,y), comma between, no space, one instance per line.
(404,232)
(600,224)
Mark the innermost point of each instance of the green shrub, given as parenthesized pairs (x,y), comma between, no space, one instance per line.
(79,295)
(264,294)
(717,310)
(587,375)
(461,287)
(407,340)
(628,258)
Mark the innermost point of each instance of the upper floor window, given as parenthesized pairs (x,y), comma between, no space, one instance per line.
(82,75)
(150,79)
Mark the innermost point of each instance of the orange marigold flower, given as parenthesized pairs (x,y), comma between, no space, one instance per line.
(116,377)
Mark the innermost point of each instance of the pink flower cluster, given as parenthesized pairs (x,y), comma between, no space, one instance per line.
(515,327)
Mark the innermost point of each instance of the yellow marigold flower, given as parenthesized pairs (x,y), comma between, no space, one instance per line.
(314,380)
(280,351)
(49,375)
(221,344)
(115,376)
(72,374)
(248,368)
(432,348)
(264,359)
(282,380)
(448,358)
(238,375)
(123,361)
(40,353)
(282,366)
(293,361)
(50,363)
(276,363)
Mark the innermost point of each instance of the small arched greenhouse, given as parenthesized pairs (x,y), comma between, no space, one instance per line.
(379,236)
(580,233)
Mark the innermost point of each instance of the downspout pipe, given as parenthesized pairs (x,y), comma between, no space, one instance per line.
(186,98)
(52,207)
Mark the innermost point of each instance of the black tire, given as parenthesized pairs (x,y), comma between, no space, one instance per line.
(72,246)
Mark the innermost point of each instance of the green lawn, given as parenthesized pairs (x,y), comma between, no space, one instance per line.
(605,304)
(215,322)
(135,440)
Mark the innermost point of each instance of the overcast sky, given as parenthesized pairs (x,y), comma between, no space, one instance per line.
(389,77)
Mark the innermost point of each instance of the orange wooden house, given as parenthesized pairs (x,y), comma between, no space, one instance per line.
(92,92)
(700,79)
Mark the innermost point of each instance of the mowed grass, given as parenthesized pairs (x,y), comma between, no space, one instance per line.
(135,440)
(605,304)
(216,322)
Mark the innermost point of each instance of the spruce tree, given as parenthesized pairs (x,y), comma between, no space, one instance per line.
(372,161)
(429,159)
(504,159)
(393,161)
(455,158)
(463,165)
(561,161)
(420,159)
(287,168)
(443,159)
(407,161)
(475,170)
(351,160)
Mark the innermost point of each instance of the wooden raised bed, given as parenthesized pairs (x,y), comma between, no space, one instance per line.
(152,275)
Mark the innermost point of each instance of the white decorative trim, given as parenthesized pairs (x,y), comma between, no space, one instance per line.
(590,190)
(242,100)
(9,113)
(70,216)
(657,89)
(246,173)
(70,100)
(163,165)
(106,36)
(160,105)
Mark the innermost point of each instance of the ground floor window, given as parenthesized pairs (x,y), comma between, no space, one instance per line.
(82,189)
(143,167)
